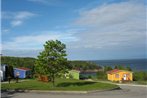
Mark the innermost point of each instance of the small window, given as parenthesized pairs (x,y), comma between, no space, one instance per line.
(128,75)
(116,75)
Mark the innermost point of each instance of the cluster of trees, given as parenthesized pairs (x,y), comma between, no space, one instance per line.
(30,63)
(108,68)
(84,65)
(123,68)
(18,61)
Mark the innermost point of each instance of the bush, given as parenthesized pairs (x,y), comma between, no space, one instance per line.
(107,68)
(90,77)
(140,76)
(101,75)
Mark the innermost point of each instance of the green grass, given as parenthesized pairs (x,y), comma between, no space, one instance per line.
(61,84)
(141,82)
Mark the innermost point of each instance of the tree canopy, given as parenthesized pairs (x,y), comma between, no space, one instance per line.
(84,65)
(18,61)
(52,60)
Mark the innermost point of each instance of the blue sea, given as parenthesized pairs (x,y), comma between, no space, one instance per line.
(135,64)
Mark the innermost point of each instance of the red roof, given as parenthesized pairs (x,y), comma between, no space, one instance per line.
(113,71)
(23,68)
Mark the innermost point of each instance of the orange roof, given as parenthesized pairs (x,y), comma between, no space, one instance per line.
(23,68)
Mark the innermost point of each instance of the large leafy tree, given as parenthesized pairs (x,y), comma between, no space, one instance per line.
(52,60)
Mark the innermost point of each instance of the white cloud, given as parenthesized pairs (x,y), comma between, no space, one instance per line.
(23,15)
(5,30)
(17,18)
(34,42)
(112,25)
(16,23)
(110,30)
(111,14)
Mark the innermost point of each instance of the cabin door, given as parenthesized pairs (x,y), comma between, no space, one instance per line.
(125,77)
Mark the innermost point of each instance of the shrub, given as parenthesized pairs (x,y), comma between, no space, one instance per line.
(101,75)
(140,76)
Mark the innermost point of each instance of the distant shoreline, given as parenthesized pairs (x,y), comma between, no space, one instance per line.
(135,64)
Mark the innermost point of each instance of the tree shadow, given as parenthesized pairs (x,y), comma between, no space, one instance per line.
(66,84)
(10,93)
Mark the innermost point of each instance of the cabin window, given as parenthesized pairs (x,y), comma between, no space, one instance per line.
(127,75)
(116,75)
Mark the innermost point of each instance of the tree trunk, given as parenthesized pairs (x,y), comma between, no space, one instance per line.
(53,81)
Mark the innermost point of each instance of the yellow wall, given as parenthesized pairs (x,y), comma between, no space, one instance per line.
(120,75)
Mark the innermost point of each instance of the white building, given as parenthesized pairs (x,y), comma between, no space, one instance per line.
(2,72)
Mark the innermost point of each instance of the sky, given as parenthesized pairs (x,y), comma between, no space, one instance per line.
(91,29)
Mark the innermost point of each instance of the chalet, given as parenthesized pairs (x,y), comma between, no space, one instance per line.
(120,75)
(82,74)
(23,72)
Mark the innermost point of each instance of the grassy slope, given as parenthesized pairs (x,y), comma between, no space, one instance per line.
(61,84)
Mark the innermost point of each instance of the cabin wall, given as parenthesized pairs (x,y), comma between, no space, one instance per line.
(74,74)
(120,76)
(129,76)
(22,74)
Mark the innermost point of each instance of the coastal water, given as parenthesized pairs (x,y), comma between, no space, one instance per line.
(135,64)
